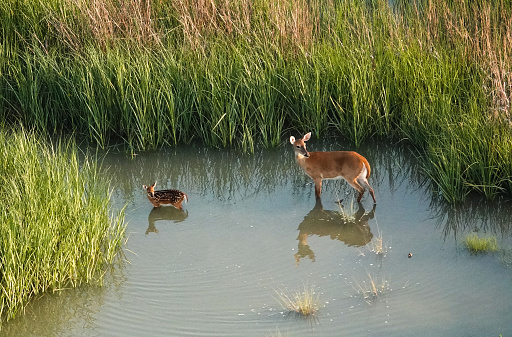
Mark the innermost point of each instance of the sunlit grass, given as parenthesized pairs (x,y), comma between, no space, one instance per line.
(58,227)
(302,302)
(477,244)
(377,244)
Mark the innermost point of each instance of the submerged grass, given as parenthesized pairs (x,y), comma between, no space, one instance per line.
(150,73)
(58,229)
(478,244)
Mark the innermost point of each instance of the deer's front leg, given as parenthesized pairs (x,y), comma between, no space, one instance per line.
(318,187)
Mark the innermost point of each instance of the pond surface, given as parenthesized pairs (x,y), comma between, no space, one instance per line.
(252,230)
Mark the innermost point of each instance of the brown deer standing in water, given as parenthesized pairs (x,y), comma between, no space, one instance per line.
(320,165)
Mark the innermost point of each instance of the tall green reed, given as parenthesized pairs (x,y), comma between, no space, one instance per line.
(58,228)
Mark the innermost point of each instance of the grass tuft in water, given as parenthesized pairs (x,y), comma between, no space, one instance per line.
(370,289)
(478,244)
(377,245)
(303,302)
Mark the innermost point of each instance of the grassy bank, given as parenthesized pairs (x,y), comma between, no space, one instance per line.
(57,226)
(245,74)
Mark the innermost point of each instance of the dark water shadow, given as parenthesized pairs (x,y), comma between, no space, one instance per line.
(164,213)
(351,229)
(475,215)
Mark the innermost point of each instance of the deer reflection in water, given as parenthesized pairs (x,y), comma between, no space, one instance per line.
(353,230)
(164,213)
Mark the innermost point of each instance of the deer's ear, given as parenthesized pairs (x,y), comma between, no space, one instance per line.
(306,136)
(154,184)
(292,139)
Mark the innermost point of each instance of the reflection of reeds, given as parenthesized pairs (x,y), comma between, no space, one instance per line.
(224,175)
(303,302)
(478,244)
(489,217)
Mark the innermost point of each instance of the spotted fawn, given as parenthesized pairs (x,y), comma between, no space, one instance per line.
(164,197)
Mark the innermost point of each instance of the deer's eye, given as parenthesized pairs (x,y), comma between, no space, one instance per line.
(298,146)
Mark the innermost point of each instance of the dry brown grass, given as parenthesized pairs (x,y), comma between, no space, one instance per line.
(485,35)
(202,19)
(285,23)
(303,302)
(106,21)
(370,289)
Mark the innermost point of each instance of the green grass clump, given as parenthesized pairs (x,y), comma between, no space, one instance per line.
(58,228)
(304,303)
(478,244)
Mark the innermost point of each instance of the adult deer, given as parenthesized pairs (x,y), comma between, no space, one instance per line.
(320,165)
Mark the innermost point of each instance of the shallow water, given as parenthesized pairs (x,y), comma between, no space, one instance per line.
(251,229)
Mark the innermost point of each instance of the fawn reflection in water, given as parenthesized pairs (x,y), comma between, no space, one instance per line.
(168,213)
(352,229)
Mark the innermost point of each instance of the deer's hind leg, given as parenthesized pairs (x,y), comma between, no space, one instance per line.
(370,189)
(363,182)
(359,183)
(178,205)
(355,184)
